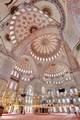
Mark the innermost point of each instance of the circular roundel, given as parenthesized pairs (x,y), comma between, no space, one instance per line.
(46,45)
(26,21)
(53,8)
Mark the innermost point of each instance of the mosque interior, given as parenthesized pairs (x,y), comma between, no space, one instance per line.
(39,57)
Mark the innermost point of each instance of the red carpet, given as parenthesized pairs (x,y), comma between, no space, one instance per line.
(54,116)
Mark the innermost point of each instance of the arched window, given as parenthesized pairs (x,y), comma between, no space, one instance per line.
(43,90)
(30,90)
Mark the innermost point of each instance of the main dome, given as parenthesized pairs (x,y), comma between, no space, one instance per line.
(46,45)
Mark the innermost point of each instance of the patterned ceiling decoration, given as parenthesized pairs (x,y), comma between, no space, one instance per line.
(24,66)
(46,44)
(25,21)
(57,74)
(56,70)
(23,70)
(53,8)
